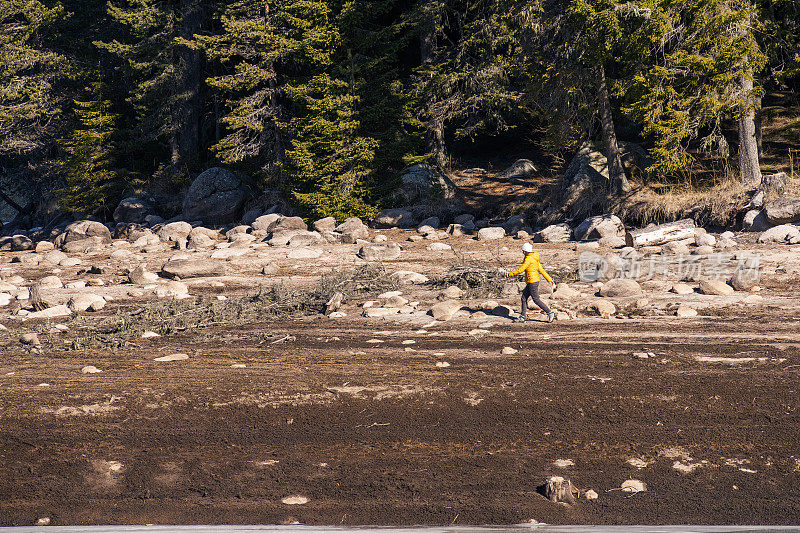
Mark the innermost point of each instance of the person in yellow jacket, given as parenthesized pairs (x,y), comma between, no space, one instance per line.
(532,268)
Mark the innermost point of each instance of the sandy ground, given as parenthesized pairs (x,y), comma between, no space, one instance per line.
(405,420)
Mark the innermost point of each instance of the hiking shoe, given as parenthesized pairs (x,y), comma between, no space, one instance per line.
(551,317)
(521,319)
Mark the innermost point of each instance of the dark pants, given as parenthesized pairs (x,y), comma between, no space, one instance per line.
(531,290)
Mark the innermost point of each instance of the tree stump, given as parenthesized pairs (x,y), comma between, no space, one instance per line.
(560,490)
(334,303)
(37,298)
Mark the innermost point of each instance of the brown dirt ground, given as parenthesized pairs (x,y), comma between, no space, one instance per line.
(375,434)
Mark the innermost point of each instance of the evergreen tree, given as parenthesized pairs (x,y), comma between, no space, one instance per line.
(30,73)
(704,72)
(94,184)
(166,75)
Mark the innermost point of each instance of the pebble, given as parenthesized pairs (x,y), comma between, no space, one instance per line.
(90,370)
(172,357)
(633,485)
(295,499)
(442,364)
(150,335)
(508,350)
(685,311)
(29,338)
(563,463)
(590,495)
(238,365)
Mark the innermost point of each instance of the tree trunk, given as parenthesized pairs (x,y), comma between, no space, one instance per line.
(749,168)
(186,128)
(616,172)
(664,233)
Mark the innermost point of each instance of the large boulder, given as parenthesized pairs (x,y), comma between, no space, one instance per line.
(755,220)
(716,287)
(783,234)
(86,302)
(491,234)
(84,229)
(266,222)
(598,227)
(325,224)
(445,310)
(394,218)
(289,224)
(783,211)
(352,229)
(520,169)
(16,243)
(192,268)
(554,233)
(620,287)
(384,251)
(216,197)
(422,181)
(176,232)
(132,210)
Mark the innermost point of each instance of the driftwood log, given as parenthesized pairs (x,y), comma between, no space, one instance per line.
(36,298)
(663,233)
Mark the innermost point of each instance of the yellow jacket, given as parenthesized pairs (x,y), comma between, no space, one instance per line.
(532,268)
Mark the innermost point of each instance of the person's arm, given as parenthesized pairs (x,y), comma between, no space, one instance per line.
(522,268)
(544,273)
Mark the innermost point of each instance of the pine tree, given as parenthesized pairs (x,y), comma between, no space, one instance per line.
(704,72)
(94,184)
(30,72)
(166,75)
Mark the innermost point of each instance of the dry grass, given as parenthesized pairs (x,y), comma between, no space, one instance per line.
(477,282)
(165,317)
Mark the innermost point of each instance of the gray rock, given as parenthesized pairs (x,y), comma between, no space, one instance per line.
(306,238)
(463,219)
(455,230)
(215,197)
(520,169)
(407,277)
(192,268)
(715,287)
(704,239)
(394,218)
(620,287)
(16,243)
(598,227)
(199,241)
(51,312)
(783,211)
(445,310)
(604,308)
(266,222)
(249,217)
(384,251)
(49,282)
(290,223)
(325,224)
(140,276)
(514,224)
(86,302)
(783,234)
(177,232)
(352,230)
(554,233)
(756,220)
(491,234)
(84,229)
(421,181)
(744,279)
(433,222)
(132,210)
(83,246)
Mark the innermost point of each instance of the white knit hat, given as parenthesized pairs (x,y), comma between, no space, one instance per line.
(527,247)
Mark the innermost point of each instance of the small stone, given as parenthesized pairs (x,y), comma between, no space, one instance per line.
(90,370)
(29,339)
(633,485)
(563,463)
(442,364)
(172,357)
(451,293)
(681,289)
(295,499)
(685,311)
(590,495)
(508,350)
(150,335)
(716,288)
(44,521)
